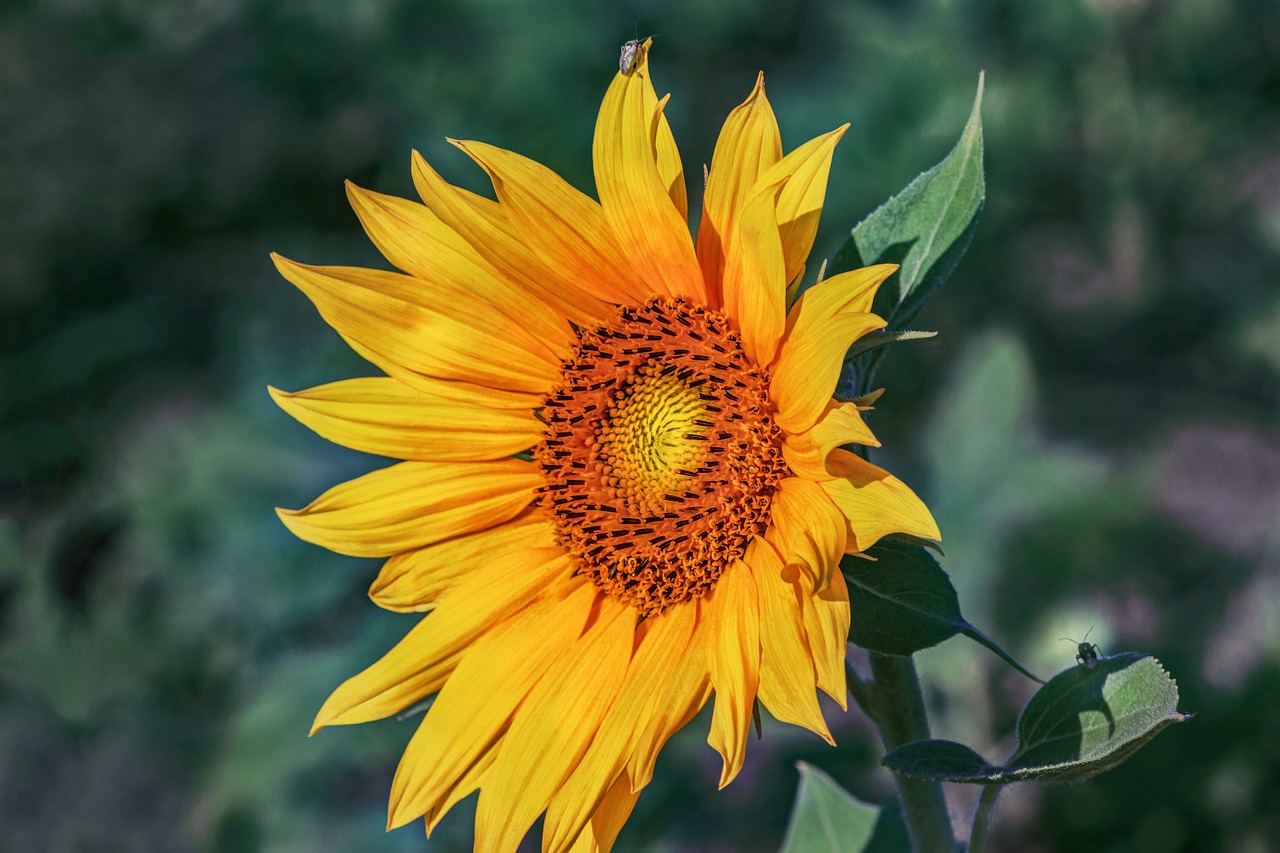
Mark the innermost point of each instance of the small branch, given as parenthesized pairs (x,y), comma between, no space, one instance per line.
(982,818)
(899,714)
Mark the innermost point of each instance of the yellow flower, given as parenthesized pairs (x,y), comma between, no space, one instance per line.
(676,529)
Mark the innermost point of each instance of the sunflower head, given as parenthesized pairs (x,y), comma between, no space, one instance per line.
(660,455)
(623,488)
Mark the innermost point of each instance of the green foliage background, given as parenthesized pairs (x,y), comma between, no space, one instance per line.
(1097,427)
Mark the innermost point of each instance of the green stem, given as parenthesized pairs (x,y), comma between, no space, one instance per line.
(900,717)
(982,818)
(860,690)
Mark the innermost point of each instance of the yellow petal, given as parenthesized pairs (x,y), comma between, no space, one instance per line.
(663,642)
(670,169)
(748,145)
(566,229)
(418,242)
(755,288)
(491,233)
(826,623)
(414,581)
(685,686)
(413,504)
(417,666)
(808,528)
(875,502)
(481,696)
(732,634)
(608,819)
(841,424)
(820,328)
(786,665)
(465,786)
(384,416)
(805,171)
(401,322)
(652,232)
(848,292)
(553,728)
(466,392)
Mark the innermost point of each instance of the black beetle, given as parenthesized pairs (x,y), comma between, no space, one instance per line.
(1086,652)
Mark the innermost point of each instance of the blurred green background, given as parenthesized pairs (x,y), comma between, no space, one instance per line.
(1097,427)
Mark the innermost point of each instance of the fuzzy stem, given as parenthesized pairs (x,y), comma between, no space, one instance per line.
(982,818)
(900,717)
(861,690)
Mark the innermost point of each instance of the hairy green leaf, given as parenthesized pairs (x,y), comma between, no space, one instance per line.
(1084,721)
(875,340)
(826,818)
(902,602)
(940,761)
(928,224)
(926,228)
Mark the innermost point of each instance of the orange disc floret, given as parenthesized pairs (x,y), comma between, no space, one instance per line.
(660,453)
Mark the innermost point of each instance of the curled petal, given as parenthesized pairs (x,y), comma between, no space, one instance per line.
(875,502)
(651,230)
(670,168)
(808,528)
(826,622)
(787,679)
(755,287)
(749,144)
(803,174)
(821,326)
(842,424)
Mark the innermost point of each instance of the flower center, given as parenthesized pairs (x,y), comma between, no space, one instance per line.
(660,454)
(653,437)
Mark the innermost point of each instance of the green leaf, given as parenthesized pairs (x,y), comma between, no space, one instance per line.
(875,340)
(940,761)
(902,602)
(1084,721)
(932,220)
(891,834)
(826,818)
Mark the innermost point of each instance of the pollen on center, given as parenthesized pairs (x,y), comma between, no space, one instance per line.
(652,440)
(660,454)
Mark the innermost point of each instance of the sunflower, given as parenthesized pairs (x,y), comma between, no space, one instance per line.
(625,489)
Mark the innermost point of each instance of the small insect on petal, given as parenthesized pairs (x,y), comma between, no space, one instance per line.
(627,60)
